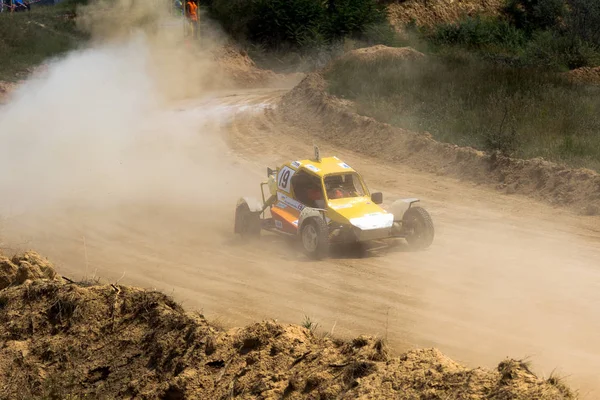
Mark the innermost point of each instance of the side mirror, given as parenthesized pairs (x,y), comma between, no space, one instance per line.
(269,171)
(377,198)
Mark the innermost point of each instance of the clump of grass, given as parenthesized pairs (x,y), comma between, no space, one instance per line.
(67,306)
(359,342)
(463,100)
(89,282)
(381,352)
(309,324)
(357,369)
(558,383)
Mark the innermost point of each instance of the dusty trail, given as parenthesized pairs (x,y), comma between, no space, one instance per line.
(505,277)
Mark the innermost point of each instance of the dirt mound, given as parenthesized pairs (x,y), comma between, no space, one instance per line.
(245,73)
(239,72)
(429,13)
(120,342)
(587,75)
(381,52)
(5,89)
(241,68)
(29,266)
(335,120)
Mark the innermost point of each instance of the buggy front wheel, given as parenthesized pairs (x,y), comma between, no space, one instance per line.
(418,228)
(315,238)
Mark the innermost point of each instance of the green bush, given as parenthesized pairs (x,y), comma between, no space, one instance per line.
(550,49)
(584,21)
(298,23)
(469,102)
(350,18)
(381,33)
(532,15)
(555,34)
(278,21)
(478,32)
(28,38)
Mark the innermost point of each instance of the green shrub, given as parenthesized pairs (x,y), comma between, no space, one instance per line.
(381,33)
(280,21)
(462,100)
(554,34)
(28,38)
(299,23)
(480,32)
(350,18)
(550,49)
(532,15)
(584,21)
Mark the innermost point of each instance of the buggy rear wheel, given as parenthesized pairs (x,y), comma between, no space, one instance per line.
(418,228)
(247,223)
(314,236)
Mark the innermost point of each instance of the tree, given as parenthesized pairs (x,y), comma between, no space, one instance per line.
(533,15)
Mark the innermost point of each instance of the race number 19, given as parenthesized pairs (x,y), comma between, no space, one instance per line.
(285,178)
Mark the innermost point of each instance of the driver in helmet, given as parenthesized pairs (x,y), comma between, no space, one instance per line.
(334,185)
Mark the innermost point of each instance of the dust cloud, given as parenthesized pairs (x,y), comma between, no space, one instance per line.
(103,127)
(92,130)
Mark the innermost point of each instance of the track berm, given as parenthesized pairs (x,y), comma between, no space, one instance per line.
(334,120)
(61,338)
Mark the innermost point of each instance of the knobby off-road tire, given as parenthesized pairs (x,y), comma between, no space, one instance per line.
(419,227)
(247,222)
(314,237)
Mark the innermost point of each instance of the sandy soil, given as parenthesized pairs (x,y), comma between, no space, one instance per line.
(585,75)
(132,343)
(506,276)
(5,89)
(432,12)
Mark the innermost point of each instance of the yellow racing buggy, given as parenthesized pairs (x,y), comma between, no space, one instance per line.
(324,201)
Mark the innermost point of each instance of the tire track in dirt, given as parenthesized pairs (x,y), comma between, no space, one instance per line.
(506,276)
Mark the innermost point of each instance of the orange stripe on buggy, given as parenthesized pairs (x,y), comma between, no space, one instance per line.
(287,218)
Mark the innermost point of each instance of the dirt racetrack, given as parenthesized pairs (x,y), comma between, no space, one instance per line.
(506,276)
(133,343)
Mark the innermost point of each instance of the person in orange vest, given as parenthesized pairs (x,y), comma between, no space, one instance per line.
(192,13)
